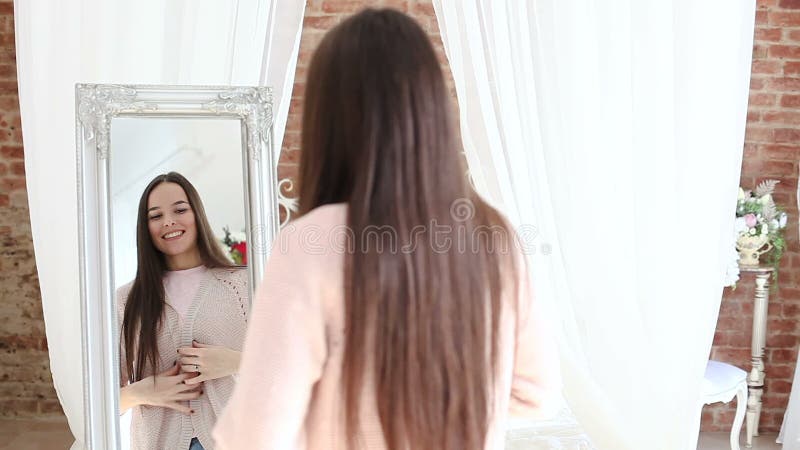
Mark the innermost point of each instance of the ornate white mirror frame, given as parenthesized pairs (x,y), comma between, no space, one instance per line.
(97,105)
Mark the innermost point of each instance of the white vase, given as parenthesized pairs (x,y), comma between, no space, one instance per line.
(751,247)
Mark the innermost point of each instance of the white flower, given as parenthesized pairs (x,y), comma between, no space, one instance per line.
(774,224)
(782,220)
(741,194)
(752,231)
(765,199)
(732,269)
(764,229)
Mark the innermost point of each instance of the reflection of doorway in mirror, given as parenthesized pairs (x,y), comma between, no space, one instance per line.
(207,152)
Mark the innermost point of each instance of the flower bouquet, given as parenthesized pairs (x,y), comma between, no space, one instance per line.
(236,244)
(759,226)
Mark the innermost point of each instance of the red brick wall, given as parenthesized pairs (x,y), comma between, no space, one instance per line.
(322,15)
(26,388)
(772,150)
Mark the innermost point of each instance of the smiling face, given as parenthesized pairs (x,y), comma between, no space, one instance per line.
(171,222)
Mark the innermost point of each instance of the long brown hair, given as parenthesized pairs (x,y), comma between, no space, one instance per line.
(378,134)
(145,305)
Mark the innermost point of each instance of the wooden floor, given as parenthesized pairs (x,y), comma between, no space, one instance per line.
(55,435)
(721,441)
(34,435)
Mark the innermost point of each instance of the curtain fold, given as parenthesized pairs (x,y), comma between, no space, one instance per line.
(789,435)
(146,42)
(790,428)
(611,134)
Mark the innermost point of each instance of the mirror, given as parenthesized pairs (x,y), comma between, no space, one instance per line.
(205,233)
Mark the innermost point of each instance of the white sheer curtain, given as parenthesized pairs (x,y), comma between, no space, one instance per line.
(615,128)
(244,42)
(790,430)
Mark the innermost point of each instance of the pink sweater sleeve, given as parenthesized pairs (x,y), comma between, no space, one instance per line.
(536,382)
(283,356)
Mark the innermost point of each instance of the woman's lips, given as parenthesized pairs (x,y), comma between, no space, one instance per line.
(173,235)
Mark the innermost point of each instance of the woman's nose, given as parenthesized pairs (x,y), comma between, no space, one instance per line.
(169,222)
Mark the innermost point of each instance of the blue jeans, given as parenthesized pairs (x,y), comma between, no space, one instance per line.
(195,445)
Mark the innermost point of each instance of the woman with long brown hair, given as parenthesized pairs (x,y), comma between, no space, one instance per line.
(394,313)
(182,322)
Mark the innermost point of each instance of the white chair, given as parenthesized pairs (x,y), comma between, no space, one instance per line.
(721,383)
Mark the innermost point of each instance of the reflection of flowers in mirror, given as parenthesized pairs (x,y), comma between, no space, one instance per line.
(236,245)
(757,216)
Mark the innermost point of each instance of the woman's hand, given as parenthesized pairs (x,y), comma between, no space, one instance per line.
(209,361)
(168,389)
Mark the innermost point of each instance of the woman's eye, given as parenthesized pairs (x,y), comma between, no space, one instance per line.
(156,217)
(181,211)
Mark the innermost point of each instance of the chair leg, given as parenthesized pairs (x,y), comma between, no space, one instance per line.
(741,407)
(751,420)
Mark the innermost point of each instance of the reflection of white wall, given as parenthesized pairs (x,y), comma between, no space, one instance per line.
(208,152)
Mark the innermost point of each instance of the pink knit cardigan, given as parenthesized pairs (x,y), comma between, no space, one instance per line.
(289,391)
(217,316)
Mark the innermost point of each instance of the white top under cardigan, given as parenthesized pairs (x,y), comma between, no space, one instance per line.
(180,288)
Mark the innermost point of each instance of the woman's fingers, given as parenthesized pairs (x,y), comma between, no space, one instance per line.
(189,368)
(190,351)
(196,380)
(172,371)
(191,395)
(183,360)
(187,387)
(178,382)
(194,387)
(181,377)
(179,407)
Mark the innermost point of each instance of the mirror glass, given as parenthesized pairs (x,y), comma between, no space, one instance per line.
(208,153)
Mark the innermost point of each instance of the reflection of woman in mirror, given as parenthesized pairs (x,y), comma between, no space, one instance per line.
(183,320)
(418,345)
